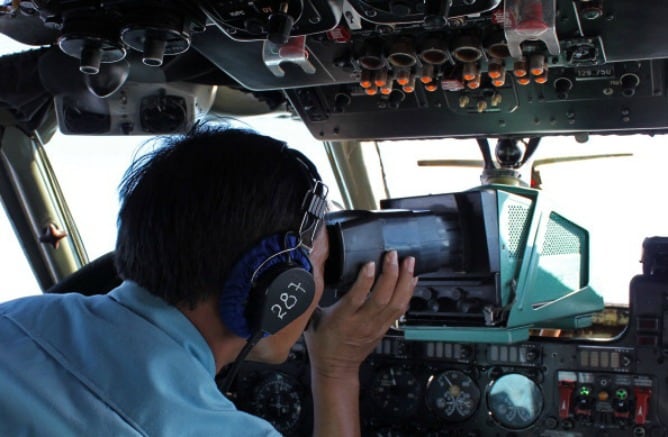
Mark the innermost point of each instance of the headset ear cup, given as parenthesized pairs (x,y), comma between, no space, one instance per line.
(283,294)
(246,291)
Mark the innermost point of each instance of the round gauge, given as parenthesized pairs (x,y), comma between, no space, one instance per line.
(453,395)
(515,401)
(277,399)
(396,391)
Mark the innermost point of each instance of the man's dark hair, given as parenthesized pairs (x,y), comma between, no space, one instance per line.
(190,209)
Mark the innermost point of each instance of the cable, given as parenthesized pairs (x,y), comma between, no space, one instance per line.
(236,365)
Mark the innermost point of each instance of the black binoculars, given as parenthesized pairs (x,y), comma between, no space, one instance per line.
(359,236)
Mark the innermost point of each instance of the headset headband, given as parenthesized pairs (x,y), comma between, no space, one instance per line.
(314,207)
(314,204)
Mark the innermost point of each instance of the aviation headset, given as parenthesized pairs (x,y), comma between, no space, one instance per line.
(272,283)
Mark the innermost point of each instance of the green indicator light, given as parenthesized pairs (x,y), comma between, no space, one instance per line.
(585,391)
(622,393)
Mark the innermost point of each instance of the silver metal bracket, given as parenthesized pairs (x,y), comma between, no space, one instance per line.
(293,51)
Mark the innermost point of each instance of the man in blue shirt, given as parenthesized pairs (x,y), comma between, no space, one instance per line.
(222,252)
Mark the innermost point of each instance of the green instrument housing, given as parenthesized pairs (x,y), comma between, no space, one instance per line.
(524,267)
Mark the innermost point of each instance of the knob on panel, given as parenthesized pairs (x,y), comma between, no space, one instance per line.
(93,42)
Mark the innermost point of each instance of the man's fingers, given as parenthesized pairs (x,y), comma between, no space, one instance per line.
(358,293)
(383,289)
(390,294)
(403,292)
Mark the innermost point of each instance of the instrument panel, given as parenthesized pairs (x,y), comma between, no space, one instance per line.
(380,69)
(552,387)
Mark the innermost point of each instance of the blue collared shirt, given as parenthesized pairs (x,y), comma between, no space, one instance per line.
(124,363)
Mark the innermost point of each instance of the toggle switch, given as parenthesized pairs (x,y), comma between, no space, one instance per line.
(642,395)
(566,389)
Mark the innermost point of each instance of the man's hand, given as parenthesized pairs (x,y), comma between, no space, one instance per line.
(343,335)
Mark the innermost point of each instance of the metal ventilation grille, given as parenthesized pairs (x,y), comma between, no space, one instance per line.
(517,216)
(562,237)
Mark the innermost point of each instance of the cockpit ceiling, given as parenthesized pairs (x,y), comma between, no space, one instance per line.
(356,69)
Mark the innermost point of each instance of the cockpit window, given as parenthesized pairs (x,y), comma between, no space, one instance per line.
(8,45)
(17,278)
(89,170)
(602,185)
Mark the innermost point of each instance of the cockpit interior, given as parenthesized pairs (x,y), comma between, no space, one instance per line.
(515,147)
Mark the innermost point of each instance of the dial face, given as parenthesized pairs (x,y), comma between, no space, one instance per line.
(278,400)
(453,395)
(396,390)
(515,401)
